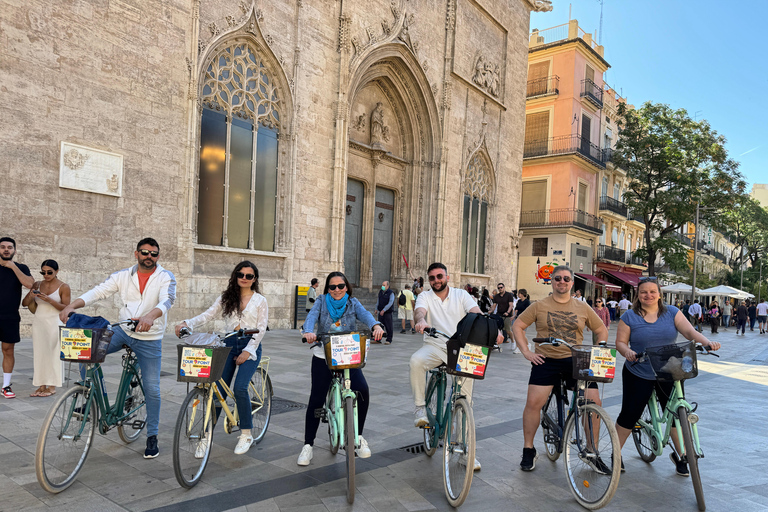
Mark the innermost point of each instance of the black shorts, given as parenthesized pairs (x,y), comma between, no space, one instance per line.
(635,395)
(552,370)
(9,330)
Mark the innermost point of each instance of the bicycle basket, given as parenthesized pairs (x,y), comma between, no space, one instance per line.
(201,364)
(673,362)
(467,361)
(84,345)
(346,351)
(596,364)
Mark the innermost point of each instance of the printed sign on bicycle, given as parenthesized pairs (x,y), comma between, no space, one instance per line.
(472,359)
(345,349)
(75,344)
(603,362)
(196,362)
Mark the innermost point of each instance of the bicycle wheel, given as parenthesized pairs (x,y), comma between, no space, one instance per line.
(332,406)
(349,446)
(192,438)
(459,453)
(691,456)
(260,392)
(135,398)
(64,440)
(550,435)
(643,439)
(592,456)
(431,434)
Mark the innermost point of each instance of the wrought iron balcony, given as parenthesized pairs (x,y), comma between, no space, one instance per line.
(562,217)
(635,260)
(685,239)
(592,92)
(606,252)
(635,216)
(722,257)
(564,145)
(547,86)
(613,205)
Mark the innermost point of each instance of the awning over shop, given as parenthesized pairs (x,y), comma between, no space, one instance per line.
(630,279)
(601,282)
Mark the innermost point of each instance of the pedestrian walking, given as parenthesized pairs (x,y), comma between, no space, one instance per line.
(742,314)
(714,317)
(762,315)
(604,315)
(727,313)
(405,308)
(312,294)
(384,310)
(624,305)
(612,304)
(696,314)
(752,310)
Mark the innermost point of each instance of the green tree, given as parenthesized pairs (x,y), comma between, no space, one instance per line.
(672,163)
(747,224)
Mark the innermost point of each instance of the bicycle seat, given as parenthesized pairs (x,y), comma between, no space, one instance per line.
(126,347)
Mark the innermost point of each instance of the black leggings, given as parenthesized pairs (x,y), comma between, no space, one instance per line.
(321,383)
(636,393)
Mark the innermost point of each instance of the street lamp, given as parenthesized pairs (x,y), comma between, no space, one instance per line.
(696,247)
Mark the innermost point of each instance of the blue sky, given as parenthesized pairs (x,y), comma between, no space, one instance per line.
(706,56)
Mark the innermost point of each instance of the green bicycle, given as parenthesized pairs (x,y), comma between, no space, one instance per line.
(653,430)
(68,430)
(343,351)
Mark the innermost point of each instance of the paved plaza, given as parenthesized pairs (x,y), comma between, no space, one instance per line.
(730,392)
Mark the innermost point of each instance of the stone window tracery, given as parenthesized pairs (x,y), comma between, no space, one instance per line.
(477,196)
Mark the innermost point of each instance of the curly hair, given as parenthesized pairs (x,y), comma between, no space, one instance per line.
(230,298)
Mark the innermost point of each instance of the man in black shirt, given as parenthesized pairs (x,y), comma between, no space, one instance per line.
(12,277)
(504,303)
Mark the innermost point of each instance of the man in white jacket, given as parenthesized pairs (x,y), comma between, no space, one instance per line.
(147,291)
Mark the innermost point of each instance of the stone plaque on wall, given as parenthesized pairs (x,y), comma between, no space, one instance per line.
(90,170)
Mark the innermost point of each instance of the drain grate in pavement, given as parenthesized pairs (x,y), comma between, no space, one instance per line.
(413,448)
(281,405)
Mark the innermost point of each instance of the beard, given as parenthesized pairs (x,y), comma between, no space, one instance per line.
(148,263)
(439,286)
(7,258)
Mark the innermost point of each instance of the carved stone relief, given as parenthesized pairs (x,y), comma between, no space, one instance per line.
(487,75)
(379,131)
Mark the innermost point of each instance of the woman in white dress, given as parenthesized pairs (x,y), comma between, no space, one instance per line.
(46,299)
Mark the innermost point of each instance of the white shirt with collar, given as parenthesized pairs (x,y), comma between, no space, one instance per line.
(444,315)
(624,304)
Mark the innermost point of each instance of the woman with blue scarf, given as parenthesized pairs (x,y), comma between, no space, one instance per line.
(334,310)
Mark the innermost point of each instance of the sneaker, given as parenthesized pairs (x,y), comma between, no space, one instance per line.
(622,465)
(8,392)
(402,331)
(475,467)
(152,450)
(529,459)
(680,465)
(363,452)
(305,456)
(421,417)
(244,443)
(597,464)
(413,331)
(202,447)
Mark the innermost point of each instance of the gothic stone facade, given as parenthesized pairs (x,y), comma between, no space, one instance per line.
(416,104)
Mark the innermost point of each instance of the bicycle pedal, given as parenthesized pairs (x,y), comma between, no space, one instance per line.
(138,424)
(320,413)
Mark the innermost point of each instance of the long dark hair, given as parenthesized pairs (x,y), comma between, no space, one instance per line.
(230,298)
(341,275)
(637,306)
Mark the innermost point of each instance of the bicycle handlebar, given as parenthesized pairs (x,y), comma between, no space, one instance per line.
(321,335)
(432,332)
(555,342)
(187,331)
(643,356)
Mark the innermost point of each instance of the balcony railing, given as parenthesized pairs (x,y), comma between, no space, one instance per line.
(634,260)
(592,92)
(563,217)
(685,239)
(637,217)
(722,257)
(564,145)
(547,86)
(613,205)
(606,252)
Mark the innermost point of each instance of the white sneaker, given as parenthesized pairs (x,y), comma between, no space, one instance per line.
(244,443)
(305,456)
(363,452)
(421,417)
(202,447)
(463,462)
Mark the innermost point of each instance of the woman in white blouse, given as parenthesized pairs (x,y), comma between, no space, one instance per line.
(242,307)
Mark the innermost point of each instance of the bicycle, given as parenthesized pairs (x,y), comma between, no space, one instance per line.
(586,433)
(451,419)
(344,350)
(203,364)
(653,430)
(67,432)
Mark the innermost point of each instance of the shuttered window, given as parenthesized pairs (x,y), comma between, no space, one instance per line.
(582,197)
(534,196)
(536,134)
(537,78)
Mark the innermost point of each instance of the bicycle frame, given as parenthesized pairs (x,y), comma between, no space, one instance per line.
(669,419)
(444,410)
(341,386)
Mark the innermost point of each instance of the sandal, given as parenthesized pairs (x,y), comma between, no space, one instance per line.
(47,393)
(38,392)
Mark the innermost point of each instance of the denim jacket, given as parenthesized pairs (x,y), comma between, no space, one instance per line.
(320,318)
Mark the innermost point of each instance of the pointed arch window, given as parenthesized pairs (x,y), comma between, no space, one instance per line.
(237,178)
(477,193)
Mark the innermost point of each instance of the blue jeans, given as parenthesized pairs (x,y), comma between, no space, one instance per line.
(149,354)
(244,373)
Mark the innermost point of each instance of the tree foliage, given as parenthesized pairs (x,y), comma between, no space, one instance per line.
(747,225)
(672,163)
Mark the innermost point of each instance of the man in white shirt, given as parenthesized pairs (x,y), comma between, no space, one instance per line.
(624,305)
(696,314)
(578,296)
(441,307)
(612,309)
(762,315)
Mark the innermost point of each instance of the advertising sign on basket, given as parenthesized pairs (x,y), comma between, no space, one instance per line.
(472,359)
(345,349)
(196,362)
(603,362)
(76,344)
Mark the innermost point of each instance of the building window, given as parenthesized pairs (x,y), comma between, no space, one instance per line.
(477,193)
(540,246)
(604,190)
(536,134)
(616,191)
(237,179)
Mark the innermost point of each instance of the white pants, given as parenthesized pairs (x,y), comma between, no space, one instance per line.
(430,356)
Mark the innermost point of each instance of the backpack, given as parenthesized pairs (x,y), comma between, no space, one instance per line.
(401,300)
(477,329)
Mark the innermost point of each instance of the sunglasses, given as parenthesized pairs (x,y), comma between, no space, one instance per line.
(599,302)
(500,288)
(46,272)
(648,278)
(436,276)
(145,252)
(567,279)
(341,286)
(247,277)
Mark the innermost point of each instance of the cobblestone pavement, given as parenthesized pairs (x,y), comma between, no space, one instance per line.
(730,392)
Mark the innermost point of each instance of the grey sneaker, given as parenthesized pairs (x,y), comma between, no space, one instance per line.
(421,417)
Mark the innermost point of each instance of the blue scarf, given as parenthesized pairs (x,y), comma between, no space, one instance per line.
(335,307)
